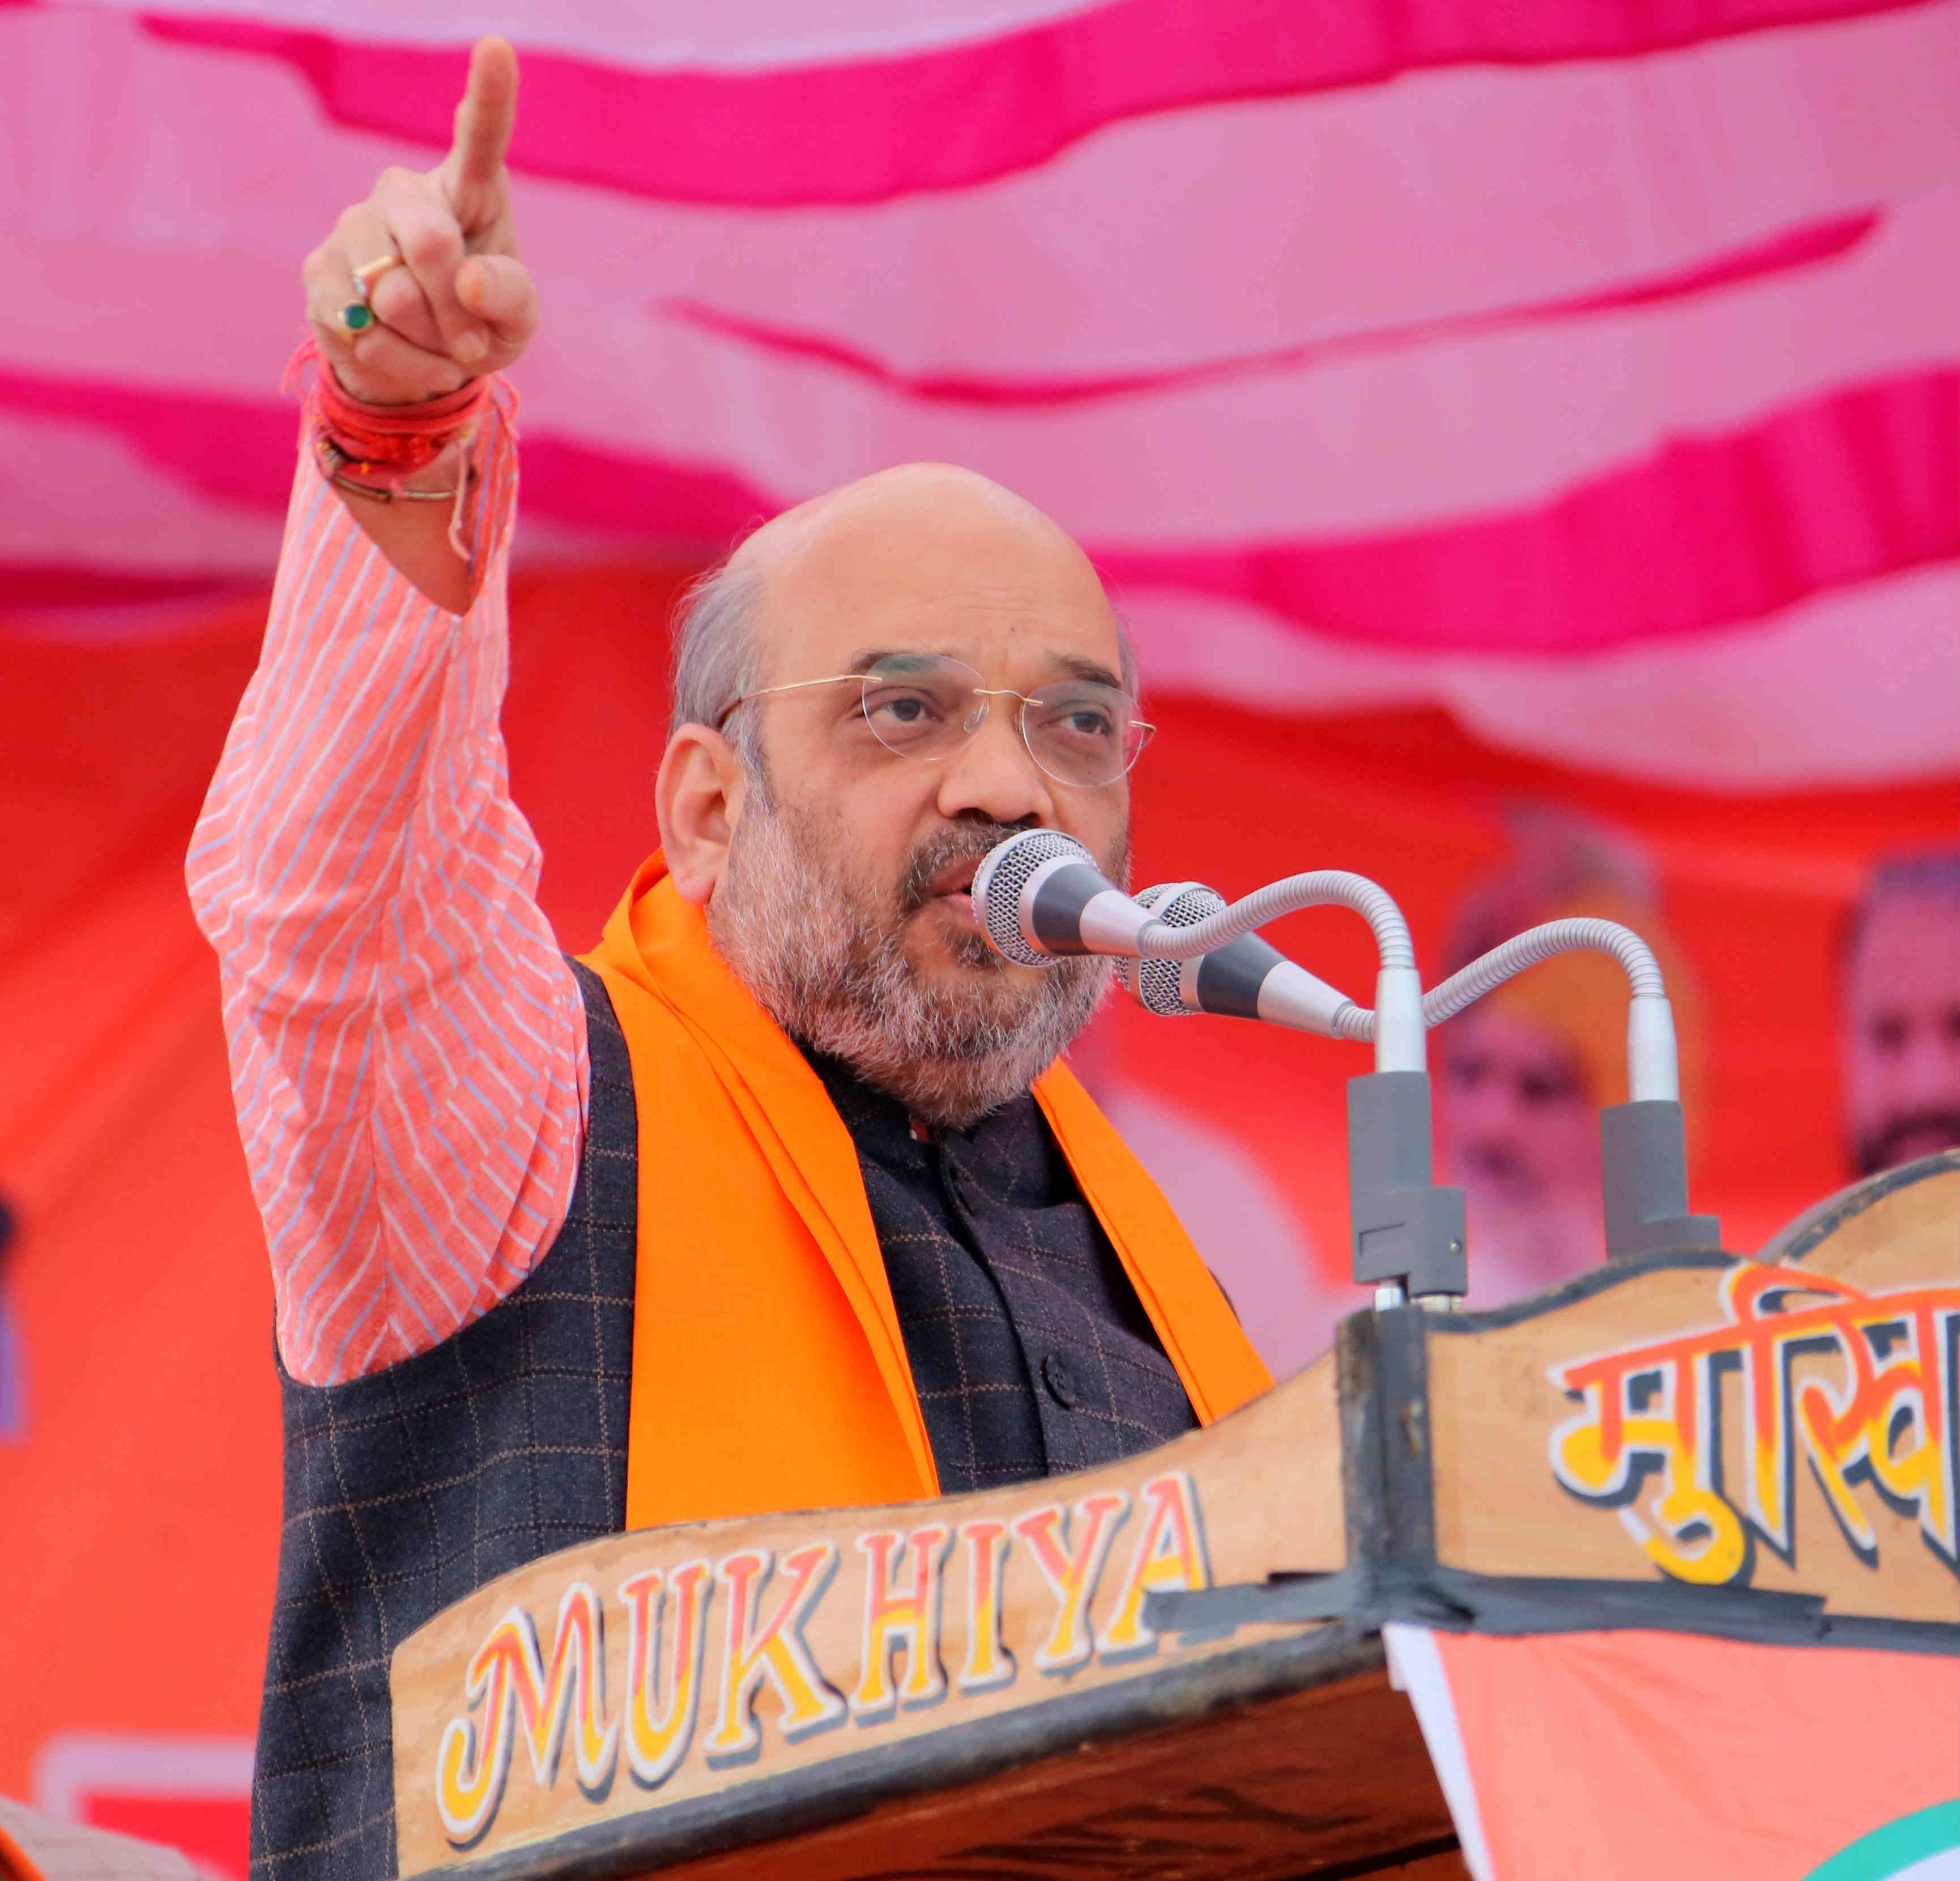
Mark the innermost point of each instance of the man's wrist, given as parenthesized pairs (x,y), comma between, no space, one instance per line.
(436,481)
(395,408)
(418,453)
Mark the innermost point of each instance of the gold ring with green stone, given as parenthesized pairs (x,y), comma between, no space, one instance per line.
(357,315)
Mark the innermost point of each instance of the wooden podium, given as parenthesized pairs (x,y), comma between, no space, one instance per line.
(1174,1667)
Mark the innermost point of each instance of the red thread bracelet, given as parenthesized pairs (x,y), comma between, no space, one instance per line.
(390,440)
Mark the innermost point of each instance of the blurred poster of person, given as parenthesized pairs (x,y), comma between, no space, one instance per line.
(1258,1251)
(1522,1076)
(13,1374)
(1257,1248)
(1901,966)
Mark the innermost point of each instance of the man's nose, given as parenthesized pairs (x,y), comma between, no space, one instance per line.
(993,772)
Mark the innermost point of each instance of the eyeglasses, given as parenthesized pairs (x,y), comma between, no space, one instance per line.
(927,705)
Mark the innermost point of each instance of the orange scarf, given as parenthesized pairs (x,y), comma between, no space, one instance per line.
(768,1369)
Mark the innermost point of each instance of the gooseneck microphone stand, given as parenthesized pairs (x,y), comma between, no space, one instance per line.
(1405,1229)
(1643,1142)
(1040,897)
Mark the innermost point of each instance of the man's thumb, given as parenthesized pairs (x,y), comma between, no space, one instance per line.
(499,290)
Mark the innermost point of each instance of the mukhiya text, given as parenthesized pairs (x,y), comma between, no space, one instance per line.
(556,1704)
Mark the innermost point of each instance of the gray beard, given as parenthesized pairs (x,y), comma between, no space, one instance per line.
(825,958)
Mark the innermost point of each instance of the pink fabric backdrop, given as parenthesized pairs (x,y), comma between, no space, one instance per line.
(1477,354)
(1590,368)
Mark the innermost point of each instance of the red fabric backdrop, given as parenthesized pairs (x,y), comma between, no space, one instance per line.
(140,1502)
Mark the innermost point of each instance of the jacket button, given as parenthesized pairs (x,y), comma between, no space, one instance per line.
(1061,1381)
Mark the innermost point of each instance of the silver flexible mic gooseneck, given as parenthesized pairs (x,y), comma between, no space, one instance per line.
(1040,894)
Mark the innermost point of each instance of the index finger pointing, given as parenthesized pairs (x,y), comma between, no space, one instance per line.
(484,118)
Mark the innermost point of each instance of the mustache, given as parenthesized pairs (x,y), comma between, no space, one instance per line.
(1492,1159)
(1904,1135)
(962,842)
(971,842)
(1500,1163)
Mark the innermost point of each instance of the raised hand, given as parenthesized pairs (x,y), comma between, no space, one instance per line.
(462,304)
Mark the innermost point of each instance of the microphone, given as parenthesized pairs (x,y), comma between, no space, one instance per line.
(1040,895)
(1246,978)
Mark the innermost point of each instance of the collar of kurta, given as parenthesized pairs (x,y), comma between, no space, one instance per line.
(769,1370)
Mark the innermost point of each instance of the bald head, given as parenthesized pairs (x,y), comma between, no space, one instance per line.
(909,546)
(939,502)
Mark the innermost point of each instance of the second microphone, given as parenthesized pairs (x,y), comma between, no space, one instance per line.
(1246,978)
(1040,896)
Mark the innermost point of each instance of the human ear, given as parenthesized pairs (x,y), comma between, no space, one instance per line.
(698,798)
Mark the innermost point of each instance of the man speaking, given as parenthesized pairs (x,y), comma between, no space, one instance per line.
(780,1198)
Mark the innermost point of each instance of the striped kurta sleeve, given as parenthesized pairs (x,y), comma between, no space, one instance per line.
(407,1044)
